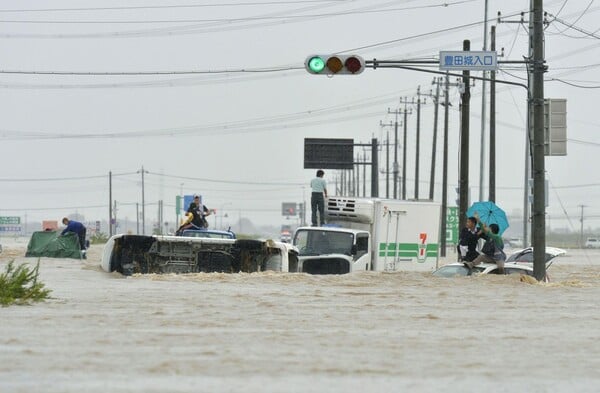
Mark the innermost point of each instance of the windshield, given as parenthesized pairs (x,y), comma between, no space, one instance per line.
(208,234)
(317,242)
(456,270)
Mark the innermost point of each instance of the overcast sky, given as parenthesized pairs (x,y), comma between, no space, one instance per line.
(237,137)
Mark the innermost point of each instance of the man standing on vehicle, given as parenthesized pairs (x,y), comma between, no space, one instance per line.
(317,198)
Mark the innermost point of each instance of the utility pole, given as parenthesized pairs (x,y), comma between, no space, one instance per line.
(387,166)
(483,108)
(365,163)
(538,230)
(387,155)
(464,143)
(405,112)
(143,203)
(374,168)
(581,229)
(110,213)
(395,168)
(436,100)
(115,216)
(137,217)
(418,142)
(445,170)
(492,176)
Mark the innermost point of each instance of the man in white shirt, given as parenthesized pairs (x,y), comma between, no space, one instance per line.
(317,198)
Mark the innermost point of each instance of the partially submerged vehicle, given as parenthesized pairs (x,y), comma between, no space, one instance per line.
(365,234)
(519,262)
(130,254)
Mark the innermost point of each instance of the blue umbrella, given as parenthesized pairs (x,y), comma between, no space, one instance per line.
(489,213)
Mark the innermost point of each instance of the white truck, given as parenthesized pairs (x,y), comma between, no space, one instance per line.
(370,234)
(205,251)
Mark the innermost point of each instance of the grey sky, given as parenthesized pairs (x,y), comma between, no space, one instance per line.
(237,130)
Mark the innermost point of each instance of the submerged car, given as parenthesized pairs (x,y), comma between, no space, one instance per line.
(519,262)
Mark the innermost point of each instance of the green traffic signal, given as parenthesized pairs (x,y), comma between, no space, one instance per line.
(316,64)
(334,64)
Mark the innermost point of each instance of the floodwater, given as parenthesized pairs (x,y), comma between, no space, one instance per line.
(275,332)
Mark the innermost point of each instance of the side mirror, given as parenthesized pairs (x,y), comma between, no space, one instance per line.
(354,249)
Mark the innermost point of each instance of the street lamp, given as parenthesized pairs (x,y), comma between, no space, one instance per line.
(221,215)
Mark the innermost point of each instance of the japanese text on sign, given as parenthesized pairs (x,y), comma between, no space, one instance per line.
(10,220)
(452,225)
(11,228)
(468,60)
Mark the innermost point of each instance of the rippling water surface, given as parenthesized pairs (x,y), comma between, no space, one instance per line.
(274,332)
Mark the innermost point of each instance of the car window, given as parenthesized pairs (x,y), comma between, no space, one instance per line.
(452,271)
(513,270)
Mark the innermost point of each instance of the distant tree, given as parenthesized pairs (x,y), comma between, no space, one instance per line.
(98,238)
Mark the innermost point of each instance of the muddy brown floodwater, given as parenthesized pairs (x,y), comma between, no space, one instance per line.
(276,332)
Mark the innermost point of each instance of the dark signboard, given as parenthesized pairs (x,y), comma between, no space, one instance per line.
(288,209)
(327,153)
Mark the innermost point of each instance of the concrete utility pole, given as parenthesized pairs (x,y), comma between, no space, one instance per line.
(387,158)
(143,202)
(445,170)
(395,169)
(405,112)
(387,166)
(436,101)
(492,177)
(483,108)
(110,213)
(581,229)
(418,142)
(115,216)
(374,168)
(464,144)
(538,229)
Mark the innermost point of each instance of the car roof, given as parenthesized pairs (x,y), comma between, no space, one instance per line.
(525,255)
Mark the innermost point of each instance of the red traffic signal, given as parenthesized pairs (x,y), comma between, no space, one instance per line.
(334,64)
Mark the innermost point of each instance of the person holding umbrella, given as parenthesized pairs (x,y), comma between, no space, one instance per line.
(492,250)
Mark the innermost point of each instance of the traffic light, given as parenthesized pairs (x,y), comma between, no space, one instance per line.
(334,64)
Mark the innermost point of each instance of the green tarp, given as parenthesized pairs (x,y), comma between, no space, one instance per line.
(51,244)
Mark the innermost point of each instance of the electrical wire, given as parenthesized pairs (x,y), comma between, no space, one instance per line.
(229,25)
(51,179)
(161,7)
(231,20)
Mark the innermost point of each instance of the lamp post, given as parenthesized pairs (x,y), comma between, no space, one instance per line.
(221,214)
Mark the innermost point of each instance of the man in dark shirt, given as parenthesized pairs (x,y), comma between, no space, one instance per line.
(199,212)
(195,214)
(77,228)
(467,243)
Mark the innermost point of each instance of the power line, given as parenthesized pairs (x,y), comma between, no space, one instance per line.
(226,181)
(140,73)
(148,7)
(574,27)
(50,179)
(230,20)
(206,27)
